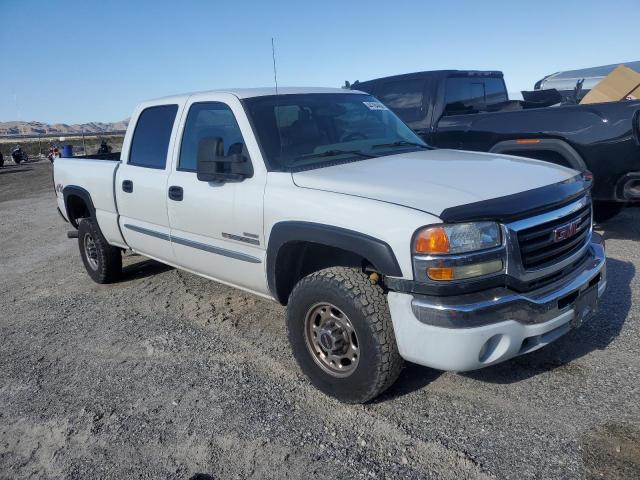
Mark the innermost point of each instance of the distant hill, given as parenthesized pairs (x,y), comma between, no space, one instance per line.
(40,128)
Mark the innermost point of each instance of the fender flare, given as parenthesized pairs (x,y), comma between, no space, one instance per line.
(543,144)
(378,252)
(78,192)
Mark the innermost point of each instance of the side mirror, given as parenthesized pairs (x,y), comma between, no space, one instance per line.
(214,166)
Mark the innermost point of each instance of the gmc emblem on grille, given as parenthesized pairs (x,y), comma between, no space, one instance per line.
(566,231)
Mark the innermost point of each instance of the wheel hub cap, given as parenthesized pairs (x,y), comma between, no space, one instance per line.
(331,340)
(91,251)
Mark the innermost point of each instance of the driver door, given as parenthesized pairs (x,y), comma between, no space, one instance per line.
(217,227)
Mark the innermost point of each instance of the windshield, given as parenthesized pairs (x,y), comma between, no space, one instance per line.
(314,130)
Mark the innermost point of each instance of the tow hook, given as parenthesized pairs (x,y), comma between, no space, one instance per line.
(72,234)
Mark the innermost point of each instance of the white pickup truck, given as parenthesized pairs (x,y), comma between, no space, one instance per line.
(382,248)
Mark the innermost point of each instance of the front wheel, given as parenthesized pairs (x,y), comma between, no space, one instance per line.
(341,334)
(102,261)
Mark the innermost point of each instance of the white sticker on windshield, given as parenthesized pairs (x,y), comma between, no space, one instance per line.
(375,106)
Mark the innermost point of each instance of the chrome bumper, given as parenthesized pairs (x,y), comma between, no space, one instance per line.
(500,304)
(473,331)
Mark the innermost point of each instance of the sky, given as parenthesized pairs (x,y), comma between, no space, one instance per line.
(76,61)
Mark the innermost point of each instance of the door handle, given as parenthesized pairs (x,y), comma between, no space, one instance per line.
(176,193)
(127,186)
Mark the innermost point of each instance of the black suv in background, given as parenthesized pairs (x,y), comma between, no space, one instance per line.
(471,110)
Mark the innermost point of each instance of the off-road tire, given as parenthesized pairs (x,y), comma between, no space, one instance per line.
(366,306)
(108,259)
(604,211)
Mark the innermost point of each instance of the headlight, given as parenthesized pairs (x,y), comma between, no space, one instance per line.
(457,238)
(459,251)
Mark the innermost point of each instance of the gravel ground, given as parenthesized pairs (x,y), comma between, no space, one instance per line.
(167,375)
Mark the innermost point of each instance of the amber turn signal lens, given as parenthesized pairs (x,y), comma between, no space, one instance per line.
(463,272)
(432,240)
(440,273)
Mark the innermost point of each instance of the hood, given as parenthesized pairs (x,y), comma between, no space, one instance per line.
(435,180)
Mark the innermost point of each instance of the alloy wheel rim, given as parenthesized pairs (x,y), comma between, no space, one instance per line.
(91,251)
(331,340)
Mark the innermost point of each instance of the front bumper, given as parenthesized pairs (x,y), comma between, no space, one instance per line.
(473,331)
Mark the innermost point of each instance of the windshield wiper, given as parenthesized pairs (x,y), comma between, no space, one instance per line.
(335,153)
(402,143)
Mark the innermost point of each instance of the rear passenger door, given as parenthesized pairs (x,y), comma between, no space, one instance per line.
(141,182)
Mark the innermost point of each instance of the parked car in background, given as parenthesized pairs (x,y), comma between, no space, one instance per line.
(381,247)
(566,81)
(471,110)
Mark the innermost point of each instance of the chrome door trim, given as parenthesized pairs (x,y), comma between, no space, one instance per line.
(190,243)
(217,250)
(146,231)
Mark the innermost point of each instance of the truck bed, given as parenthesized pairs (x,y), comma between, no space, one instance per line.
(95,174)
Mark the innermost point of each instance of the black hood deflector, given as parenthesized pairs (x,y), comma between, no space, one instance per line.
(520,205)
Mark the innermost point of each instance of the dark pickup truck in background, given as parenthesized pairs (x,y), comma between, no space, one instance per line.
(471,110)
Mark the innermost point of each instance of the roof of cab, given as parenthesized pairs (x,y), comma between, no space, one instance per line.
(258,92)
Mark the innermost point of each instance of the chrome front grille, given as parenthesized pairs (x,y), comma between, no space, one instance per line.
(551,242)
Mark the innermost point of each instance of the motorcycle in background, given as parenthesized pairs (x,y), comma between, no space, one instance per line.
(18,155)
(54,152)
(105,148)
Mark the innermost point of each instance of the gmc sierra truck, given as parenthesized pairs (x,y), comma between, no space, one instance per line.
(323,200)
(471,110)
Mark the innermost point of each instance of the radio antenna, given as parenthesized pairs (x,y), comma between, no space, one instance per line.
(276,108)
(275,73)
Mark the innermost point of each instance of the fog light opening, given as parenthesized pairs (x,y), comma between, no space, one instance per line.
(493,349)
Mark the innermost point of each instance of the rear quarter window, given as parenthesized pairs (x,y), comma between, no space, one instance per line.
(404,97)
(473,94)
(151,137)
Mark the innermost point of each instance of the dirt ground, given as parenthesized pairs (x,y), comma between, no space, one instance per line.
(167,375)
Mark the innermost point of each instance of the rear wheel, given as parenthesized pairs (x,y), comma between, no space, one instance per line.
(102,261)
(341,334)
(603,211)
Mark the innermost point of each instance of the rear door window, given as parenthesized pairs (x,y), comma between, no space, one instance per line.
(150,144)
(473,94)
(404,97)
